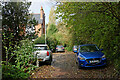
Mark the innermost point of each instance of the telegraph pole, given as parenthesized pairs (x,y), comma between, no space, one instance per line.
(45,34)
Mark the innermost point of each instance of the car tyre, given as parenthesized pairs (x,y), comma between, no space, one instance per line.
(79,67)
(49,62)
(76,62)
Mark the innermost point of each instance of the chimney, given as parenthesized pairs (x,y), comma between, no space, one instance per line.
(41,13)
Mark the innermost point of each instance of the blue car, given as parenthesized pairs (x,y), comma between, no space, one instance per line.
(89,55)
(75,49)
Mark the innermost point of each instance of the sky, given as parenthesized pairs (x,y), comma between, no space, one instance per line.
(46,4)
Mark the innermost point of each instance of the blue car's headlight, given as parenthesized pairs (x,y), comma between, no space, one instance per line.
(81,58)
(103,56)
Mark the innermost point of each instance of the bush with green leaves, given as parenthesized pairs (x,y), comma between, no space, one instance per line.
(40,40)
(12,73)
(68,48)
(25,56)
(51,29)
(7,46)
(52,43)
(23,64)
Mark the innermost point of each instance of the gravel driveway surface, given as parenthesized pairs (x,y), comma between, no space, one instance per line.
(64,66)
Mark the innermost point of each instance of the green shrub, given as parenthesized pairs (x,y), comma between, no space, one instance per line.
(10,72)
(23,64)
(68,48)
(40,40)
(117,65)
(52,43)
(25,56)
(52,29)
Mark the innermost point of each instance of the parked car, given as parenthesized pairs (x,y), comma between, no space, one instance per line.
(75,49)
(89,55)
(60,48)
(42,53)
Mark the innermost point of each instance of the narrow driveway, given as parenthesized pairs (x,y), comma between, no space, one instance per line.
(64,66)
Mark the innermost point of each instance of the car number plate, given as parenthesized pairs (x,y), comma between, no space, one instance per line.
(60,49)
(94,61)
(75,49)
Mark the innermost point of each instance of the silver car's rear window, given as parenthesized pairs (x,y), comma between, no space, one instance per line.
(41,47)
(59,46)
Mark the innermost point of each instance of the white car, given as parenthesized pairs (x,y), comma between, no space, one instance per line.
(42,53)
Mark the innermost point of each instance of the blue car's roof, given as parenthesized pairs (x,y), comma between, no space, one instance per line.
(87,44)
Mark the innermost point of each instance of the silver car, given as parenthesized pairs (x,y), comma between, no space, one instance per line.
(42,53)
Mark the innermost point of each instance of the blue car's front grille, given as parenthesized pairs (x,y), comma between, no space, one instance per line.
(93,64)
(93,60)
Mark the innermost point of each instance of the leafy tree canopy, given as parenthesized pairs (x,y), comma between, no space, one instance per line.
(93,23)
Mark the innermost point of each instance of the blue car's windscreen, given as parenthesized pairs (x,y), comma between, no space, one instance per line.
(75,46)
(92,48)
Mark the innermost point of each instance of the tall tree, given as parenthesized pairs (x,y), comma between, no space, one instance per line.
(14,21)
(97,23)
(15,16)
(52,17)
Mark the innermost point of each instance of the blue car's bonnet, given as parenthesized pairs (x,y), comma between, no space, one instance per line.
(88,55)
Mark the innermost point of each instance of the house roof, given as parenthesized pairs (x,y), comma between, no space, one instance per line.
(37,17)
